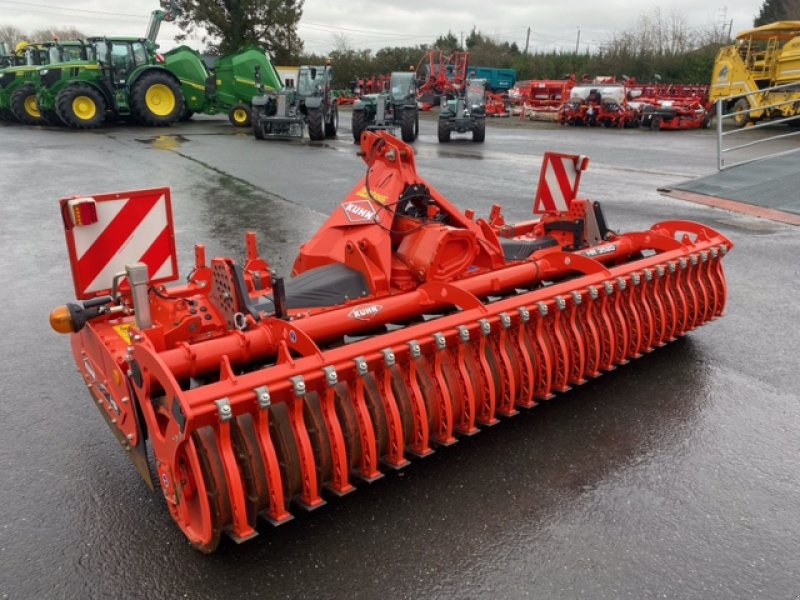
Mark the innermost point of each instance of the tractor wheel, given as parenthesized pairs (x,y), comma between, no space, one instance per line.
(740,116)
(316,128)
(655,123)
(444,131)
(358,125)
(186,114)
(81,106)
(333,124)
(24,106)
(157,99)
(240,115)
(479,131)
(409,125)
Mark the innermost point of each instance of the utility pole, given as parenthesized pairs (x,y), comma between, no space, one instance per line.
(578,41)
(527,40)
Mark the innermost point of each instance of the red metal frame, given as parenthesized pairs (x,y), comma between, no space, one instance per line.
(246,419)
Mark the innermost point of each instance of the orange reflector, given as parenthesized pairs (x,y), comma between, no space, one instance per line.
(61,319)
(82,211)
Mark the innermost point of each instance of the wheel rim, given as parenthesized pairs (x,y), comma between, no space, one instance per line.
(240,115)
(31,107)
(160,100)
(84,108)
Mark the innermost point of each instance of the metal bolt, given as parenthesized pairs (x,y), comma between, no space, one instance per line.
(299,385)
(262,394)
(561,303)
(463,333)
(636,279)
(694,260)
(714,253)
(703,256)
(609,287)
(414,348)
(648,275)
(486,327)
(672,267)
(660,270)
(593,292)
(224,408)
(542,308)
(361,366)
(577,298)
(388,357)
(505,320)
(621,283)
(330,376)
(129,436)
(524,314)
(724,249)
(441,343)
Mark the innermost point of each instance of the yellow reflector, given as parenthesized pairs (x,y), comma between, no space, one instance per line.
(61,319)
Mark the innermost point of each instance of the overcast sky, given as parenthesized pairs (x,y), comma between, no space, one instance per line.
(374,24)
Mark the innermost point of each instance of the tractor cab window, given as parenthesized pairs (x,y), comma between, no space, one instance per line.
(476,91)
(305,82)
(100,50)
(121,59)
(402,85)
(310,81)
(139,54)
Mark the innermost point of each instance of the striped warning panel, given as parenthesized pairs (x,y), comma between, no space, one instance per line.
(558,182)
(130,227)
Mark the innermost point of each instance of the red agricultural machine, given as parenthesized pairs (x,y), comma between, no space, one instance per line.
(496,105)
(598,104)
(440,75)
(541,99)
(667,106)
(406,324)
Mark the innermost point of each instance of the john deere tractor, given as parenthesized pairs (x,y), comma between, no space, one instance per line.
(283,114)
(19,84)
(398,108)
(464,113)
(121,79)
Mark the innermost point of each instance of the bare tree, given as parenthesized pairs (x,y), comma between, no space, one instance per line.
(47,35)
(11,35)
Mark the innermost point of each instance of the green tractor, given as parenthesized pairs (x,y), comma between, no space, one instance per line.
(122,78)
(398,108)
(19,84)
(464,113)
(284,114)
(229,88)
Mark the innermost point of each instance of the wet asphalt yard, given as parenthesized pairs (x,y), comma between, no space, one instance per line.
(676,476)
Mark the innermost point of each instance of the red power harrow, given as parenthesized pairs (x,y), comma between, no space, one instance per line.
(406,324)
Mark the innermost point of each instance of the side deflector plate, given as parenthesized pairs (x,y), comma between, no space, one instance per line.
(108,231)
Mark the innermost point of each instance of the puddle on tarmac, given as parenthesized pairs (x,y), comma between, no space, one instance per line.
(165,142)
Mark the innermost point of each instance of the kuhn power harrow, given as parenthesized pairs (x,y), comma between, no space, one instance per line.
(406,324)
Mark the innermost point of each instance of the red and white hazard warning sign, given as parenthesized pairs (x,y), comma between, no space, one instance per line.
(558,182)
(106,232)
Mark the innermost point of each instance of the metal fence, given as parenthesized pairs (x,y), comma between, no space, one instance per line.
(773,149)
